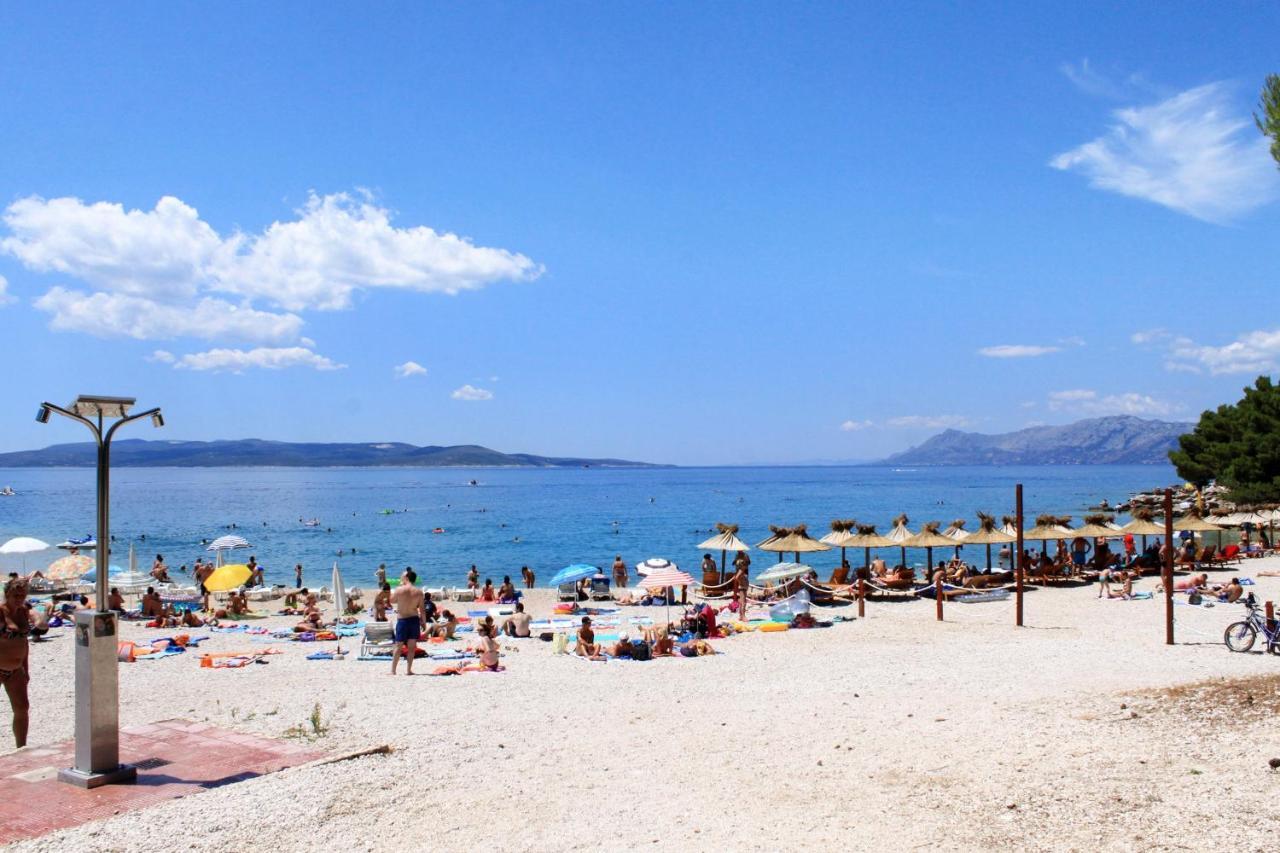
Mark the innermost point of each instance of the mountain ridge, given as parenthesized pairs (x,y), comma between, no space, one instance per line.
(256,452)
(1112,440)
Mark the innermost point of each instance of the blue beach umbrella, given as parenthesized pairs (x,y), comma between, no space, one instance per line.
(573,574)
(92,575)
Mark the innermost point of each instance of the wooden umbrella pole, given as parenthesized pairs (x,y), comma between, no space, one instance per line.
(1017,557)
(723,552)
(988,558)
(937,588)
(1168,567)
(862,597)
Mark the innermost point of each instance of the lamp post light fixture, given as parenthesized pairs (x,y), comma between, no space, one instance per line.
(97,700)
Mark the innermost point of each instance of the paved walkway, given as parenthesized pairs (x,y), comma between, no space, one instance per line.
(174,758)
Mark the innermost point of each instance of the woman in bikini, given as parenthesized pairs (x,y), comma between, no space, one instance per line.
(15,655)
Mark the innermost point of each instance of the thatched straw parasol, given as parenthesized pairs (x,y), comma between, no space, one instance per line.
(792,540)
(1048,527)
(1096,527)
(929,538)
(725,540)
(867,538)
(957,532)
(839,536)
(988,535)
(1194,523)
(899,534)
(1142,525)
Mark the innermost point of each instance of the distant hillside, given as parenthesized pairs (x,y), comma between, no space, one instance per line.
(249,452)
(1119,440)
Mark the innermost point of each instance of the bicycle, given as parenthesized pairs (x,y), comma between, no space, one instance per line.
(1240,636)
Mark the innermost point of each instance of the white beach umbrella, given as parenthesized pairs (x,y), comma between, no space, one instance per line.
(654,564)
(783,572)
(23,545)
(226,543)
(339,591)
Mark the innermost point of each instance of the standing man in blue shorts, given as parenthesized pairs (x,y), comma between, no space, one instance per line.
(407,600)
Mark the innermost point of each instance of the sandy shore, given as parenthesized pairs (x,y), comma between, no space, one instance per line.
(1081,730)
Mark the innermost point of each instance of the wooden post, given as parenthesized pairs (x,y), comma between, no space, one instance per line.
(862,598)
(1167,569)
(1271,616)
(937,587)
(1017,557)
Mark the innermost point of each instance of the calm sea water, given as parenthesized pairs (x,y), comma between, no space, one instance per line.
(544,518)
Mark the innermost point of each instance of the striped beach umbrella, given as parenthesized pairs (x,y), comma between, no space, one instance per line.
(69,567)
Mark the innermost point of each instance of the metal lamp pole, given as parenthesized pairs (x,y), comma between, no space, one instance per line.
(97,725)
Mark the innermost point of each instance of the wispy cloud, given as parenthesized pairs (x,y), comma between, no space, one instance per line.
(1086,401)
(854,426)
(1017,351)
(161,356)
(1116,86)
(267,358)
(1149,336)
(928,421)
(1251,352)
(409,368)
(471,394)
(5,296)
(1194,153)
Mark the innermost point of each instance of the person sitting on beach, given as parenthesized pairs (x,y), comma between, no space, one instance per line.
(622,648)
(507,592)
(381,602)
(517,624)
(473,577)
(310,623)
(445,629)
(488,593)
(429,609)
(486,647)
(1229,593)
(115,601)
(39,620)
(527,574)
(660,638)
(238,605)
(587,645)
(878,568)
(159,570)
(354,605)
(151,602)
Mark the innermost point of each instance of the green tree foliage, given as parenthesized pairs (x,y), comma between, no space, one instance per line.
(1268,115)
(1238,446)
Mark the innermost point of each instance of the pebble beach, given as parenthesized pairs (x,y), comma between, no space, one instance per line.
(1081,730)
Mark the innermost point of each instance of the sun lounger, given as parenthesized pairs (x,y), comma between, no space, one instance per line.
(567,592)
(468,594)
(377,635)
(600,589)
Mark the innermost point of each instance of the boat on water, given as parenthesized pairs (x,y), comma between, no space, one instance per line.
(7,492)
(85,542)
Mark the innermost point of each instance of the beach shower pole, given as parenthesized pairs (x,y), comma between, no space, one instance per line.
(1167,569)
(97,694)
(1018,556)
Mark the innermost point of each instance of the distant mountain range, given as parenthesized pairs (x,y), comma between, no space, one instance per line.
(254,452)
(1119,440)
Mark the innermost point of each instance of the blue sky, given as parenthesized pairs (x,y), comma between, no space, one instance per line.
(700,233)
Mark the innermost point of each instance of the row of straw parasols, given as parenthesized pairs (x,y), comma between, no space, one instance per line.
(848,533)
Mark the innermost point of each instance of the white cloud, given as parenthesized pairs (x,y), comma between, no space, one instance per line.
(928,421)
(1252,352)
(1089,80)
(1149,336)
(165,273)
(125,315)
(1017,351)
(268,358)
(853,426)
(1192,153)
(471,394)
(162,357)
(409,368)
(5,297)
(1089,402)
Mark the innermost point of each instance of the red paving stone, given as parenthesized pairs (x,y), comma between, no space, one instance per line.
(174,758)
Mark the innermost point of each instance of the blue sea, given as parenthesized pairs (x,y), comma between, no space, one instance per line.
(545,518)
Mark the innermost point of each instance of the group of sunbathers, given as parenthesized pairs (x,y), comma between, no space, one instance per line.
(655,642)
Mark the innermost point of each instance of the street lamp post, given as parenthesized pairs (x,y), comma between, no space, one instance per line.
(97,678)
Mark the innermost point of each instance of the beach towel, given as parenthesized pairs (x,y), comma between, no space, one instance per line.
(320,656)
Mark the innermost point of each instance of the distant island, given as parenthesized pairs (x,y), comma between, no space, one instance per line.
(1118,440)
(254,452)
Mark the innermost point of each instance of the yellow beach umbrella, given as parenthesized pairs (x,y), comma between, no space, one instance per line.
(228,577)
(68,568)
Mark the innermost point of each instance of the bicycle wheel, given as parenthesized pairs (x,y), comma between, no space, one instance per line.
(1239,636)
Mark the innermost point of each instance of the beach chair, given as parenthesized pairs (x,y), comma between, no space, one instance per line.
(468,594)
(839,577)
(567,592)
(1230,554)
(600,589)
(377,636)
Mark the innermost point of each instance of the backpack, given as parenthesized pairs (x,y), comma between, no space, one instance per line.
(1194,598)
(640,650)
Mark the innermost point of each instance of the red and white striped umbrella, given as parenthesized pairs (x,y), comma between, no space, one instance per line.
(667,577)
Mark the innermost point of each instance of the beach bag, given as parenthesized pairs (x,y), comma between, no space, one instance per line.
(1194,598)
(640,650)
(560,644)
(125,652)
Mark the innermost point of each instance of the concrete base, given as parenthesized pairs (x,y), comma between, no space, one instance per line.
(125,774)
